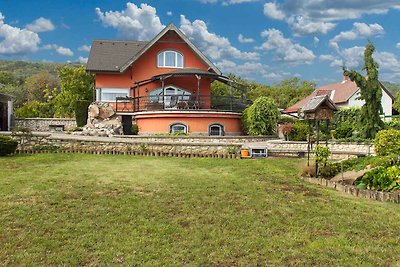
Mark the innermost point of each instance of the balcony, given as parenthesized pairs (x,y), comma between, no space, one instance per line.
(180,103)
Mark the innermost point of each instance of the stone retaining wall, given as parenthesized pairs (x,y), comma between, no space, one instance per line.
(335,148)
(43,124)
(352,190)
(197,139)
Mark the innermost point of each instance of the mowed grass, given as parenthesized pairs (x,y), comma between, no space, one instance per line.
(102,210)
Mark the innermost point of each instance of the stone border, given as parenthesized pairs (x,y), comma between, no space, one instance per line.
(393,197)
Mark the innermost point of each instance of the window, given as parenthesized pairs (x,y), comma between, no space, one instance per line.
(216,130)
(178,128)
(170,59)
(169,91)
(110,94)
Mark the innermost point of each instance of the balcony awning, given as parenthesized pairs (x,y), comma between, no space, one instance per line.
(198,73)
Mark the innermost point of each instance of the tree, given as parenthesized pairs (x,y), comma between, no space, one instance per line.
(261,117)
(370,92)
(396,104)
(76,84)
(37,84)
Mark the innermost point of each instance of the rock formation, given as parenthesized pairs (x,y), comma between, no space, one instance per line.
(102,120)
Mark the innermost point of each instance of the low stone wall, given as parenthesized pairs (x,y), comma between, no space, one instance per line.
(105,145)
(275,146)
(197,139)
(45,124)
(352,190)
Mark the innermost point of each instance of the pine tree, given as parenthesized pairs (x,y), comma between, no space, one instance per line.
(370,92)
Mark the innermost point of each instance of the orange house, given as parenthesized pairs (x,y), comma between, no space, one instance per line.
(163,86)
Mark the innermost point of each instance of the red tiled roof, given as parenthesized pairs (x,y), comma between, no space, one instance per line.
(341,93)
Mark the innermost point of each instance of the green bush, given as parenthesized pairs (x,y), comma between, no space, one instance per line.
(393,124)
(382,179)
(135,129)
(261,117)
(347,116)
(35,109)
(322,154)
(299,131)
(7,145)
(387,142)
(343,131)
(81,112)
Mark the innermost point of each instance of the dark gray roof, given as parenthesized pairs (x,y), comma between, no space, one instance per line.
(316,102)
(111,55)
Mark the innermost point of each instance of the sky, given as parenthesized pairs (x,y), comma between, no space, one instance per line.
(262,41)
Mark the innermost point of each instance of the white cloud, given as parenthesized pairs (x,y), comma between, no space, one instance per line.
(243,39)
(336,63)
(213,45)
(226,2)
(353,56)
(59,49)
(82,60)
(398,45)
(84,48)
(245,70)
(138,23)
(285,49)
(317,16)
(359,30)
(40,25)
(326,58)
(16,41)
(272,10)
(169,13)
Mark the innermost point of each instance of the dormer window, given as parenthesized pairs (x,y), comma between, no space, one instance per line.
(169,59)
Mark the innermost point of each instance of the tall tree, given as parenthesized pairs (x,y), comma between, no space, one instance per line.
(370,92)
(76,84)
(38,84)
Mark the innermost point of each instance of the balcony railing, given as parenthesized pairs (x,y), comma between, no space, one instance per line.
(180,102)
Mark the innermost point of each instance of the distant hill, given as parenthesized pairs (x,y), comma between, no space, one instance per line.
(24,69)
(392,87)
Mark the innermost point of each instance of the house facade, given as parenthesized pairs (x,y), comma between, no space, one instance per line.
(163,86)
(344,95)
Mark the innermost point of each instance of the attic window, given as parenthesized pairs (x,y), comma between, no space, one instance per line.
(170,59)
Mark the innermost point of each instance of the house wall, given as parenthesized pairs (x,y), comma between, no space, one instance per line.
(197,122)
(354,102)
(146,67)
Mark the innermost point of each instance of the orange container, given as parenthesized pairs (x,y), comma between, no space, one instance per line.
(244,153)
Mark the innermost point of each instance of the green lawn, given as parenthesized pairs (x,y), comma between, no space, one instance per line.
(102,210)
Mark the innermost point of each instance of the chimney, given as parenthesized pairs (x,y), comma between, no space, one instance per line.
(344,79)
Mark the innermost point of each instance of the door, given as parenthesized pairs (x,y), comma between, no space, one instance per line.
(3,117)
(127,124)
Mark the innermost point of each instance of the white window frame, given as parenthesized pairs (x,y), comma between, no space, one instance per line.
(171,127)
(161,62)
(101,93)
(221,129)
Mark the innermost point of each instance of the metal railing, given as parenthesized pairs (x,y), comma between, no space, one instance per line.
(180,102)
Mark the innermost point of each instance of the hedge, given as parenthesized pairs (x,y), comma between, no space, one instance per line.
(81,112)
(7,145)
(387,142)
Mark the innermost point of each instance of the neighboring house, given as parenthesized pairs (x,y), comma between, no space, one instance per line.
(344,95)
(164,86)
(6,112)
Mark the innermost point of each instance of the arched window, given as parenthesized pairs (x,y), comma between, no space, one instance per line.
(169,59)
(178,128)
(216,130)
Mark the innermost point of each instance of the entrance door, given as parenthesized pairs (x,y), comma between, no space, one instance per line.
(127,124)
(3,117)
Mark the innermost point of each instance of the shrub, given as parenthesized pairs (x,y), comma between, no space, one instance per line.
(7,145)
(35,109)
(347,116)
(322,154)
(261,117)
(387,142)
(299,131)
(382,179)
(343,131)
(135,129)
(393,124)
(81,112)
(308,171)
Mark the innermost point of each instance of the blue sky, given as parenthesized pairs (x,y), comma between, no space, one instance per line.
(264,41)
